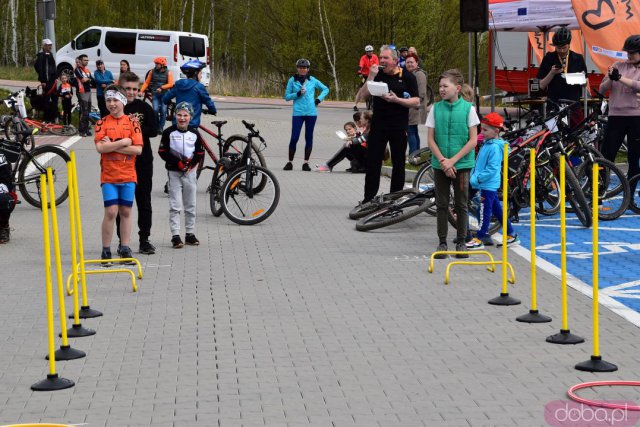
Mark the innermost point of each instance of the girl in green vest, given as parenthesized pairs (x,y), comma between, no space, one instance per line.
(452,132)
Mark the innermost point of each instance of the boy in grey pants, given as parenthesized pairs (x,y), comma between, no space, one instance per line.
(181,149)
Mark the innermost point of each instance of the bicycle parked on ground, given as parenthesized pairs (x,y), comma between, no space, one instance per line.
(9,123)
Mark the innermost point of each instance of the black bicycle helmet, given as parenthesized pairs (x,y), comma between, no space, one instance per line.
(632,44)
(191,67)
(561,37)
(403,49)
(303,63)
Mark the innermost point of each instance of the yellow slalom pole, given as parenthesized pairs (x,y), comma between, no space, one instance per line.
(533,316)
(85,310)
(74,249)
(504,298)
(47,272)
(595,364)
(564,336)
(65,352)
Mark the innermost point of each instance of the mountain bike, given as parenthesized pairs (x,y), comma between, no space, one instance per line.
(9,124)
(28,164)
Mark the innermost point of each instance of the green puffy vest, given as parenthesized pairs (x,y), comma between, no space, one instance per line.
(452,132)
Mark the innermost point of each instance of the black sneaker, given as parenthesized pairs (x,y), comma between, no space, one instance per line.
(125,252)
(106,255)
(5,234)
(87,133)
(288,166)
(146,248)
(441,247)
(355,108)
(176,241)
(166,188)
(306,167)
(461,247)
(191,240)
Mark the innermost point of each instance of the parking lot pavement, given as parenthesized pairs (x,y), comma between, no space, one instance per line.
(300,320)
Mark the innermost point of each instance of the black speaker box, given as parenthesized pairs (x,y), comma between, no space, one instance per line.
(474,16)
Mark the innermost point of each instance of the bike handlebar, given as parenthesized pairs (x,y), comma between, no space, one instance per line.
(252,132)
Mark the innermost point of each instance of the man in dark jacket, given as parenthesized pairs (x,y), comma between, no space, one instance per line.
(45,66)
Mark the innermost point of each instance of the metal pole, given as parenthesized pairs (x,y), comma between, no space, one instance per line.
(49,28)
(470,60)
(586,86)
(493,71)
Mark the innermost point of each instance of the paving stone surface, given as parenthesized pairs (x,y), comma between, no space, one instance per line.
(298,321)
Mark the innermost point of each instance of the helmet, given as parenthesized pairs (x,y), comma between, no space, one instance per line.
(561,37)
(184,105)
(302,63)
(368,48)
(160,60)
(191,67)
(632,44)
(403,49)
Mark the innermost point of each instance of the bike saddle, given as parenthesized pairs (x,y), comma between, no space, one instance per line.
(27,131)
(219,123)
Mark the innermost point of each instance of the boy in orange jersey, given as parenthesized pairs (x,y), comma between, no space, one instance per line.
(118,140)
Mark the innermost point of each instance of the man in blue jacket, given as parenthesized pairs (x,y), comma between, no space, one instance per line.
(485,177)
(192,91)
(103,78)
(301,89)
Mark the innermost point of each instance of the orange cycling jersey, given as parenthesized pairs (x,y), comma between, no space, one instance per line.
(117,168)
(366,63)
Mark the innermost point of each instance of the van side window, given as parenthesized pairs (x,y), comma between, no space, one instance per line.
(192,46)
(121,42)
(88,39)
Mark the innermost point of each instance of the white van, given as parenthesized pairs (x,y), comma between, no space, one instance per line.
(139,47)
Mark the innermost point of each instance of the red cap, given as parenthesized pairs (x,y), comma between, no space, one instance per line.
(493,119)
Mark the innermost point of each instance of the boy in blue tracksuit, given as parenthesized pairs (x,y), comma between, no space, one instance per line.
(192,91)
(486,178)
(301,89)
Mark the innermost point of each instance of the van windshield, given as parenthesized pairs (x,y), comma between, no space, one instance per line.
(192,46)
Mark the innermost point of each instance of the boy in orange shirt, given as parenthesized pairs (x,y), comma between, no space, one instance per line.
(118,140)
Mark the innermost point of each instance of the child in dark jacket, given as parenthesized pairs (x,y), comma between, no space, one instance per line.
(181,149)
(485,177)
(7,196)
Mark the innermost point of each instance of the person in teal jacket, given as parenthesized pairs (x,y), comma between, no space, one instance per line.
(103,78)
(485,177)
(452,134)
(301,89)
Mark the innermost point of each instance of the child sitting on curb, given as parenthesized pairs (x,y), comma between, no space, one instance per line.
(485,177)
(354,148)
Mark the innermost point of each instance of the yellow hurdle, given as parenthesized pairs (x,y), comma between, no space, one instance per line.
(564,336)
(53,381)
(491,268)
(595,363)
(66,352)
(533,316)
(504,298)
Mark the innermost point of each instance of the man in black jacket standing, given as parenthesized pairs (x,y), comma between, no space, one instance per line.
(145,115)
(46,68)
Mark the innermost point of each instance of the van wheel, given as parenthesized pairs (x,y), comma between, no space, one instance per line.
(65,68)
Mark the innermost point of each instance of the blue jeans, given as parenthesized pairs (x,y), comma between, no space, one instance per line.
(160,109)
(491,206)
(413,139)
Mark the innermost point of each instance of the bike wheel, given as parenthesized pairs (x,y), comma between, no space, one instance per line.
(241,203)
(424,181)
(394,213)
(30,170)
(634,199)
(237,144)
(214,193)
(574,195)
(613,188)
(378,203)
(67,130)
(547,192)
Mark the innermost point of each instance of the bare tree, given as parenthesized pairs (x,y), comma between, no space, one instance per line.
(329,44)
(244,34)
(14,32)
(193,10)
(184,9)
(210,32)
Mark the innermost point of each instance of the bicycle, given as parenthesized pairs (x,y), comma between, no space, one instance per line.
(94,114)
(251,193)
(43,127)
(29,163)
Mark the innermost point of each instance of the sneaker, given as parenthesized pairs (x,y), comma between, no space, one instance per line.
(176,241)
(191,240)
(5,234)
(348,170)
(146,248)
(441,247)
(461,247)
(355,108)
(487,241)
(322,168)
(288,166)
(106,255)
(475,244)
(166,188)
(305,167)
(511,240)
(125,252)
(87,133)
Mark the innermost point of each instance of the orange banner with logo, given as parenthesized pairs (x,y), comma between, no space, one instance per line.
(537,39)
(606,24)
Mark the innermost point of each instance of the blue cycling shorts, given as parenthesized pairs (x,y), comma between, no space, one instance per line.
(118,194)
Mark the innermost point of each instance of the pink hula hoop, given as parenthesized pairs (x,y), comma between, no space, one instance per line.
(571,393)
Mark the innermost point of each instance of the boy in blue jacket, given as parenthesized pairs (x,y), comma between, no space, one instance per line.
(192,91)
(485,177)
